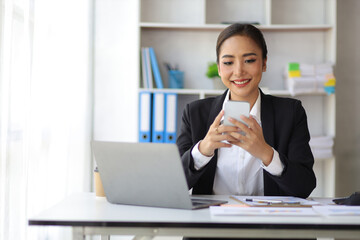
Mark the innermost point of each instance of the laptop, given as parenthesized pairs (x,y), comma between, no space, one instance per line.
(145,174)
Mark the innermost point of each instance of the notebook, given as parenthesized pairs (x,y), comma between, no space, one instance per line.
(145,174)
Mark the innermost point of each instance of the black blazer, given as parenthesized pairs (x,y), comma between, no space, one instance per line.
(285,128)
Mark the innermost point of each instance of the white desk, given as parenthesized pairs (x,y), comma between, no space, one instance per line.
(90,215)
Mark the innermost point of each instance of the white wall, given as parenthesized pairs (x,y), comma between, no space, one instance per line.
(116,62)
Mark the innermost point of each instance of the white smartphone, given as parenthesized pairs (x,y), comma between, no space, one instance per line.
(235,109)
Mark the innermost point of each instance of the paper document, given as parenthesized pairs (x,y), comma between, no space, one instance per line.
(274,201)
(261,211)
(338,210)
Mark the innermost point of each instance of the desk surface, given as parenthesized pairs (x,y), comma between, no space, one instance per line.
(91,215)
(85,209)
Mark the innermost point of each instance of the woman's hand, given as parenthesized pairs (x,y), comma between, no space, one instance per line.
(214,137)
(253,141)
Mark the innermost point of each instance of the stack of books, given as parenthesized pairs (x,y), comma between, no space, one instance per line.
(303,78)
(150,69)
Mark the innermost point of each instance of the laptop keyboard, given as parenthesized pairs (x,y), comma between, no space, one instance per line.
(199,202)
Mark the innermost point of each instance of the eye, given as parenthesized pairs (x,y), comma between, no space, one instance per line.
(227,63)
(250,60)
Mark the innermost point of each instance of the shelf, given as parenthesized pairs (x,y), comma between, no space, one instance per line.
(289,27)
(219,92)
(324,159)
(276,27)
(184,32)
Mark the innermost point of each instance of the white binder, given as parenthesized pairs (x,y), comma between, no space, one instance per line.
(158,117)
(145,116)
(170,117)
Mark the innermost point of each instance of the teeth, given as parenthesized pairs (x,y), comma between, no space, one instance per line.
(241,82)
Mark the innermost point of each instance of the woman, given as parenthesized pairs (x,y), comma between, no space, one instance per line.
(273,157)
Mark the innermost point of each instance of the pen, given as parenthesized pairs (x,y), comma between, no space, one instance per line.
(268,201)
(167,65)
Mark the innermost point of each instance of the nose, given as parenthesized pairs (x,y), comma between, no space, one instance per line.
(239,69)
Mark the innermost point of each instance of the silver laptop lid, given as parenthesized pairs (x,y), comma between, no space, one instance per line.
(147,174)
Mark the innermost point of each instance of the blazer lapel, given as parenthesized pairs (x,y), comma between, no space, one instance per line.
(267,119)
(216,107)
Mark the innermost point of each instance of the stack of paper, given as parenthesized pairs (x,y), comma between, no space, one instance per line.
(266,205)
(300,85)
(303,78)
(322,146)
(324,210)
(338,210)
(260,211)
(307,69)
(323,69)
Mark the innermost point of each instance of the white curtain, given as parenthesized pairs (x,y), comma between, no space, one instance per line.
(45,110)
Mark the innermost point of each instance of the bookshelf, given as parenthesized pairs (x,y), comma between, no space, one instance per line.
(184,33)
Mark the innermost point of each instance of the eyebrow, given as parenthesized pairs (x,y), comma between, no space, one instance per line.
(244,55)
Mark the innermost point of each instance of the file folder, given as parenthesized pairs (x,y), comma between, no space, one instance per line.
(148,68)
(145,79)
(144,116)
(155,68)
(170,117)
(158,117)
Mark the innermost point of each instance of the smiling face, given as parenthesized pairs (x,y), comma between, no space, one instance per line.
(241,65)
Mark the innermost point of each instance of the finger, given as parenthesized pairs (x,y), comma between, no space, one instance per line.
(241,141)
(229,138)
(250,121)
(218,144)
(222,129)
(226,129)
(217,120)
(237,123)
(240,125)
(238,136)
(237,143)
(222,137)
